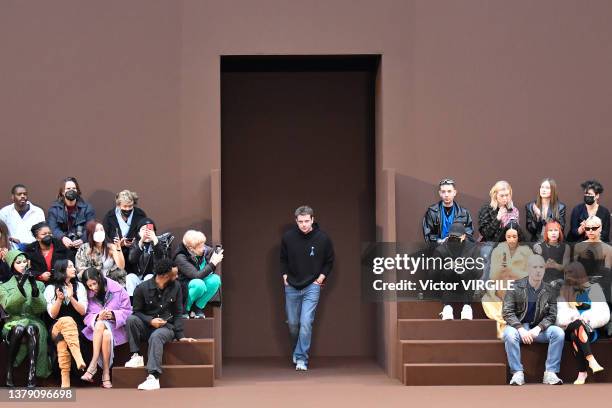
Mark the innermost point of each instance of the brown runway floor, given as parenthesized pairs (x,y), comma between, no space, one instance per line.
(333,382)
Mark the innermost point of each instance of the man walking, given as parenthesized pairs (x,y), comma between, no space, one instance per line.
(306,258)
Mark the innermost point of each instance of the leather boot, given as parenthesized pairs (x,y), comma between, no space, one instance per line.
(13,340)
(32,332)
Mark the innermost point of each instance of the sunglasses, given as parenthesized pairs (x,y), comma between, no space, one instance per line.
(591,228)
(447,181)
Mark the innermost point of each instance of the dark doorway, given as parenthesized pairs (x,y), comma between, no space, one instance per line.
(296,130)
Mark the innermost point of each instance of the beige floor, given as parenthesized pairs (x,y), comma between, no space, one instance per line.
(335,383)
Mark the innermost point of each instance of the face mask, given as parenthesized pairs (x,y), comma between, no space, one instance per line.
(589,200)
(47,240)
(126,213)
(99,236)
(71,195)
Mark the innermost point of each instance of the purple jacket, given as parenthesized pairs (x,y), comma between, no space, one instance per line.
(116,300)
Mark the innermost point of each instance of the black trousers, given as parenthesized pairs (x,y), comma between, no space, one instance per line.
(139,331)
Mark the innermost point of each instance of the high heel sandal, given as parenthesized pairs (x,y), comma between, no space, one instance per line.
(107,383)
(88,376)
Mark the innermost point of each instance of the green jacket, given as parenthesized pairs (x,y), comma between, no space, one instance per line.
(24,311)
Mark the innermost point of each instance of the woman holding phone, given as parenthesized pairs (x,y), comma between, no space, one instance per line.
(101,254)
(108,308)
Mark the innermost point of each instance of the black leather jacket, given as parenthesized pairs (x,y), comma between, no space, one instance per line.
(535,226)
(432,228)
(515,305)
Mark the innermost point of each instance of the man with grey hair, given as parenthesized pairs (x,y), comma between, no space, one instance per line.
(306,259)
(530,312)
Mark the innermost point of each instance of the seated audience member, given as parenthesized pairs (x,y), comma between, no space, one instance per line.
(44,252)
(494,216)
(595,255)
(101,254)
(441,215)
(581,310)
(5,246)
(20,216)
(108,307)
(196,264)
(24,333)
(143,254)
(591,207)
(508,263)
(457,246)
(68,216)
(66,304)
(545,208)
(530,311)
(157,318)
(554,251)
(123,221)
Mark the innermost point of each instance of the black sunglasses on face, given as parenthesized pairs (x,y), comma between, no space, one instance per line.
(591,228)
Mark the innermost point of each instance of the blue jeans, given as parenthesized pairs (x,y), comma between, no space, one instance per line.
(301,305)
(554,336)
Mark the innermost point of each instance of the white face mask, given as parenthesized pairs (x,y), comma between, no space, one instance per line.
(99,236)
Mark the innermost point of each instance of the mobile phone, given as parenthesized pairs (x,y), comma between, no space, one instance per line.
(150,227)
(218,248)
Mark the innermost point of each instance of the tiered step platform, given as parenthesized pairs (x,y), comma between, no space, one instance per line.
(184,364)
(455,352)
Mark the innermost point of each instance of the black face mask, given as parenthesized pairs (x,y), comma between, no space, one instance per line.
(71,195)
(589,199)
(47,240)
(126,213)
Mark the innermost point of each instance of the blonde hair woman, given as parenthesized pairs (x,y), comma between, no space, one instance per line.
(495,215)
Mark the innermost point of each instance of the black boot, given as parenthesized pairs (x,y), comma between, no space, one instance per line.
(13,340)
(32,354)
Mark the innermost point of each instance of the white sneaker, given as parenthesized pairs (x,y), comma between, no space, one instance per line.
(551,378)
(518,378)
(466,313)
(300,366)
(136,361)
(447,313)
(151,383)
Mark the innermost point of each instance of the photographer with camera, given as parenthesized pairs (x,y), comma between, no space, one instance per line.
(44,252)
(68,215)
(196,264)
(144,254)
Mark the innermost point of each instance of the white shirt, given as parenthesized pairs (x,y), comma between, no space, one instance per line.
(20,227)
(50,296)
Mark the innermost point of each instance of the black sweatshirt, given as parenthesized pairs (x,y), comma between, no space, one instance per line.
(303,257)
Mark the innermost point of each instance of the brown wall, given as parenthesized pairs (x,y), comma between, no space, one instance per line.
(478,90)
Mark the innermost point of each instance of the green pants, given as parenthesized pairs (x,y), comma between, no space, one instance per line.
(202,290)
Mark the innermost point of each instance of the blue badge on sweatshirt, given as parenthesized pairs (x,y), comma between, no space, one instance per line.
(311,251)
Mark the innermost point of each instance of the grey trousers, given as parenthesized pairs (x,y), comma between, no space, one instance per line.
(138,331)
